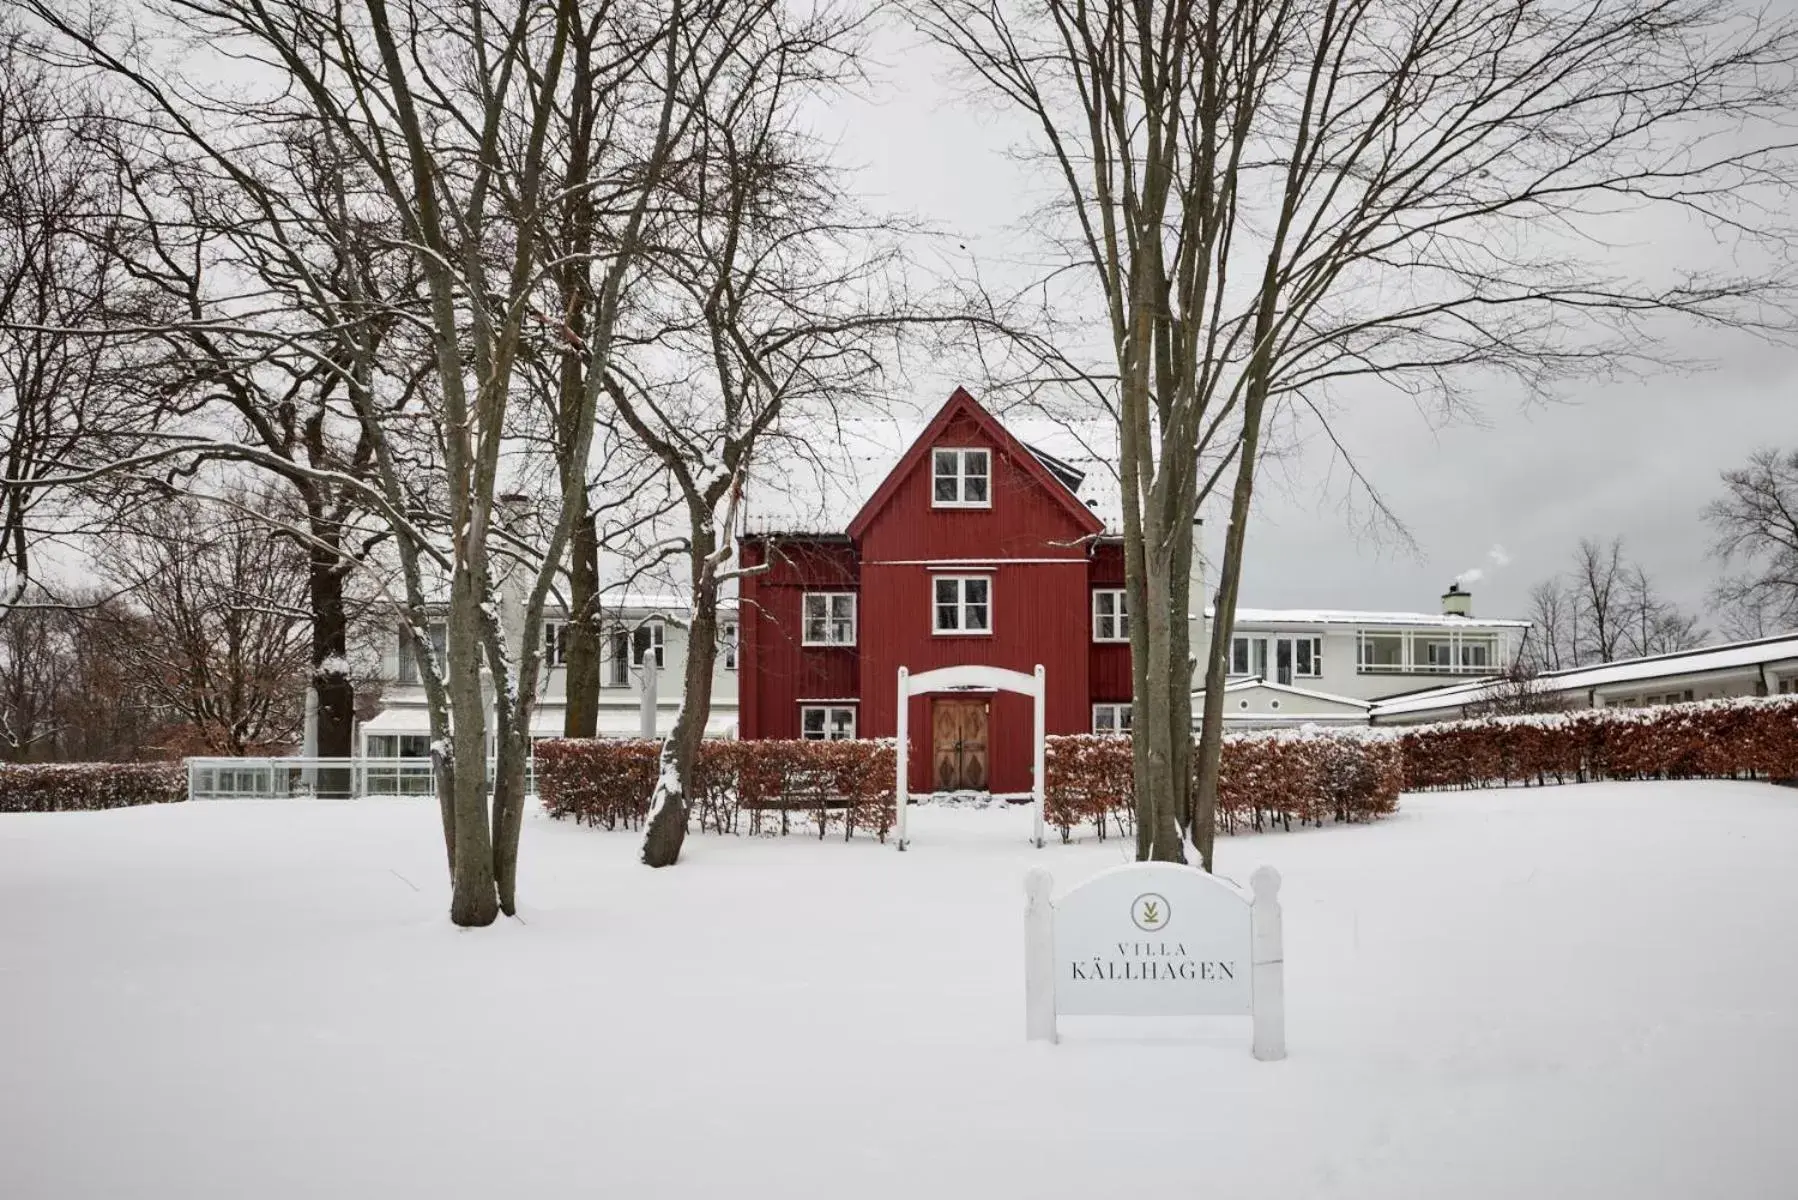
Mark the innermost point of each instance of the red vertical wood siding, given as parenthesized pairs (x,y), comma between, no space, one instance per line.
(1043,565)
(780,672)
(1108,663)
(1036,618)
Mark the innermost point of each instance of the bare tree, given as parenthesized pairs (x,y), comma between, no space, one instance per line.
(780,295)
(1755,522)
(68,400)
(1597,582)
(283,296)
(215,629)
(65,690)
(447,109)
(1554,627)
(1516,691)
(1604,608)
(1273,201)
(1652,624)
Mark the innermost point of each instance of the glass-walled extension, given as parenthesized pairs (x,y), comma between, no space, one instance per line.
(1427,651)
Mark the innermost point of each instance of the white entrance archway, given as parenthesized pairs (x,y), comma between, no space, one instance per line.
(955,679)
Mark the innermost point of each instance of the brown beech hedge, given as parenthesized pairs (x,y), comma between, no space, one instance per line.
(742,787)
(1744,738)
(89,787)
(1269,780)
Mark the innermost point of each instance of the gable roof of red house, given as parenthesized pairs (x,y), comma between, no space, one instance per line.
(961,403)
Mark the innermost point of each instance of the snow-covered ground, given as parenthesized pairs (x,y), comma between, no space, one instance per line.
(1572,992)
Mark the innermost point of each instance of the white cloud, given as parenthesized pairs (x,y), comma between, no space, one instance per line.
(1499,556)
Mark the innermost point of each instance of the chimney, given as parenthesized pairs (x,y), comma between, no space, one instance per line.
(1457,603)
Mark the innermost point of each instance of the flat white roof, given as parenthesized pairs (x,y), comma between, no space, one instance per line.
(1344,616)
(1732,656)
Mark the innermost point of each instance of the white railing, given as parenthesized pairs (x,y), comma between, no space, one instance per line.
(325,778)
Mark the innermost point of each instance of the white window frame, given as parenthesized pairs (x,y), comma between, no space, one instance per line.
(657,641)
(395,744)
(832,620)
(1119,617)
(1317,656)
(618,666)
(961,604)
(1117,714)
(728,634)
(831,729)
(437,633)
(961,476)
(1268,657)
(1250,639)
(555,644)
(616,676)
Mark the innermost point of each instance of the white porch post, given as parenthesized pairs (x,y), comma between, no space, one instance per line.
(1036,783)
(646,702)
(902,786)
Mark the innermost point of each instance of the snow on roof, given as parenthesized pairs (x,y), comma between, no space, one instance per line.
(1261,681)
(1731,656)
(806,503)
(1343,616)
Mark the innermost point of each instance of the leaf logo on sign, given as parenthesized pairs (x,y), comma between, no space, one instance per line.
(1149,912)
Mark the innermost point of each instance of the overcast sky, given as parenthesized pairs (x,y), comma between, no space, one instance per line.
(1509,497)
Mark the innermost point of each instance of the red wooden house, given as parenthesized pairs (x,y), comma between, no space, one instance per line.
(974,550)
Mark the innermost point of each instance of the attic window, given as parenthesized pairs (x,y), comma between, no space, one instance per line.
(961,478)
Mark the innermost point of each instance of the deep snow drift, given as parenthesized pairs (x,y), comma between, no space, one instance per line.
(1570,992)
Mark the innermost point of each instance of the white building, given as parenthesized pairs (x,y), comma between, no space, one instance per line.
(640,631)
(1330,666)
(1760,667)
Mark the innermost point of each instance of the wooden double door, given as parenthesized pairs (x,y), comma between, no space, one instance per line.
(958,734)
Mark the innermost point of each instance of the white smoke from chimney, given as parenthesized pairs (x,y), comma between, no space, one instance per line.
(1498,556)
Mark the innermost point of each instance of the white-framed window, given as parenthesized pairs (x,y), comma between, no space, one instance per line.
(399,745)
(1248,655)
(1111,616)
(961,478)
(438,632)
(555,643)
(1788,686)
(826,722)
(627,648)
(727,644)
(829,619)
(1111,718)
(1281,658)
(962,604)
(618,658)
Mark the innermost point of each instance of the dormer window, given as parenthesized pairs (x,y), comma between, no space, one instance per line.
(961,478)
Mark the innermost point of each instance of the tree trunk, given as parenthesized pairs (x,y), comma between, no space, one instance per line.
(336,711)
(1211,727)
(1180,601)
(473,899)
(508,812)
(581,666)
(1153,756)
(666,828)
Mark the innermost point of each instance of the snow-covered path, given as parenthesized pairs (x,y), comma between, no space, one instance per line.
(1572,992)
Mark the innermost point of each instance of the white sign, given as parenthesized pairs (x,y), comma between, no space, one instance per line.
(1155,940)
